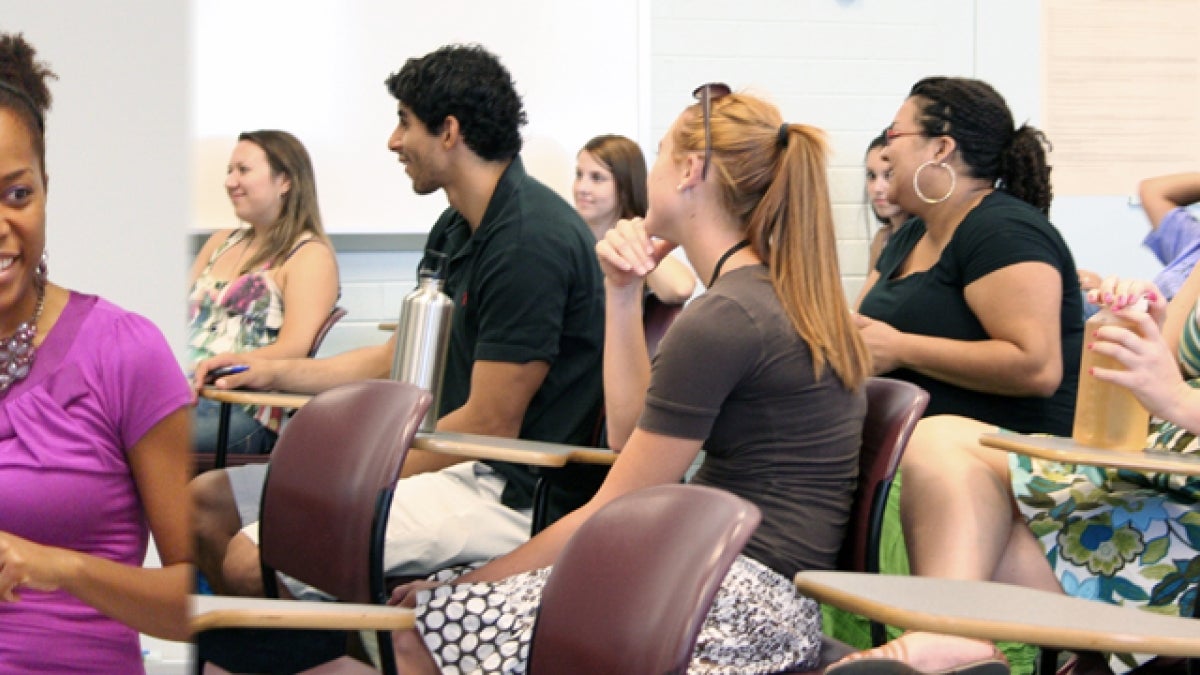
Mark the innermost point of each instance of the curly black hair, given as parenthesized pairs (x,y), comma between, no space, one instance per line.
(23,88)
(977,118)
(471,84)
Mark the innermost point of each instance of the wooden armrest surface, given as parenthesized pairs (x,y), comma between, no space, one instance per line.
(1058,449)
(215,611)
(533,453)
(995,611)
(272,398)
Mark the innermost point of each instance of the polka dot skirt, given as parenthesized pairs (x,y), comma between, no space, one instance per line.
(758,623)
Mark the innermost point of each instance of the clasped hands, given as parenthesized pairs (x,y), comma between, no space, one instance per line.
(627,253)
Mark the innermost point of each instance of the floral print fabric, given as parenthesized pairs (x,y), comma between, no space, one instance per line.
(1117,535)
(237,315)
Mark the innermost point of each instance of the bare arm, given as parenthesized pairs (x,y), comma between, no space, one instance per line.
(1019,307)
(626,255)
(649,459)
(500,395)
(150,600)
(302,376)
(672,281)
(626,362)
(205,253)
(1162,194)
(309,282)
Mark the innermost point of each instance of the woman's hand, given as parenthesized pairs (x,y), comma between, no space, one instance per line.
(26,564)
(882,341)
(405,595)
(1151,373)
(627,254)
(1118,294)
(258,373)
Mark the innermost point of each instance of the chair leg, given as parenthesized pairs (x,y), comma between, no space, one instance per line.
(1047,661)
(222,436)
(541,503)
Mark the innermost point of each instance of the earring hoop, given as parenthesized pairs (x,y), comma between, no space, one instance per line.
(43,269)
(917,181)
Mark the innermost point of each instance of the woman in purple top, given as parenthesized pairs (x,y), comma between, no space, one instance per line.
(93,438)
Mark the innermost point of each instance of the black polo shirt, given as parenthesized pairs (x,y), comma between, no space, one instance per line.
(526,287)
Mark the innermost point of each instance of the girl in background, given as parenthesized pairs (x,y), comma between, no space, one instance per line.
(610,185)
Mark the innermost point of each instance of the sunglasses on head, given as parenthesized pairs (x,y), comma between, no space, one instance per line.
(706,94)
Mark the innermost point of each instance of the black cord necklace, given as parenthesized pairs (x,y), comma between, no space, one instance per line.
(724,257)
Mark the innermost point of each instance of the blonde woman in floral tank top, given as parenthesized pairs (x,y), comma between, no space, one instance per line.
(243,280)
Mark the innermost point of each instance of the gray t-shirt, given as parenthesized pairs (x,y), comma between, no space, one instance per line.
(733,372)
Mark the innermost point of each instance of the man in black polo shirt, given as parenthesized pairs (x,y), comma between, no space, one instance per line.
(525,343)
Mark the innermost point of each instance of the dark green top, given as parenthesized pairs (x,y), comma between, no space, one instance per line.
(1001,231)
(526,287)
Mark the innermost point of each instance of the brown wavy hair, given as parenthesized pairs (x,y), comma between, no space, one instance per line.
(773,180)
(299,212)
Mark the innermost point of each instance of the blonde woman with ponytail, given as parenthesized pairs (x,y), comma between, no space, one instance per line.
(764,372)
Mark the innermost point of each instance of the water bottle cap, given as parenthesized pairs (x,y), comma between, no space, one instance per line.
(433,265)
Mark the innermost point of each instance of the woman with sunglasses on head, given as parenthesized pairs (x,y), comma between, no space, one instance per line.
(94,451)
(610,185)
(764,372)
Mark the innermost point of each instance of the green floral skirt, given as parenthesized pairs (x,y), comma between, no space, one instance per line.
(1115,535)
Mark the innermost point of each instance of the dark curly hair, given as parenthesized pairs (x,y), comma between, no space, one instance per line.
(23,88)
(471,84)
(977,118)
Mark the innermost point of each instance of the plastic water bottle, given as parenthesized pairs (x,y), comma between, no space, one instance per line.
(1107,415)
(423,334)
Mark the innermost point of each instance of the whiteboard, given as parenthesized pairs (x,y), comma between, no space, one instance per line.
(317,69)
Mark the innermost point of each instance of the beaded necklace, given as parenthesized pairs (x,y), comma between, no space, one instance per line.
(16,351)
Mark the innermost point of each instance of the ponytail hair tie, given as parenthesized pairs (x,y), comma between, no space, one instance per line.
(782,138)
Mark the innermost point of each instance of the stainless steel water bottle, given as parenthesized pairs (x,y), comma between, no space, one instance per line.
(423,334)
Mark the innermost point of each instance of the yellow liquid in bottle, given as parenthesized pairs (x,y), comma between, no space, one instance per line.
(1106,415)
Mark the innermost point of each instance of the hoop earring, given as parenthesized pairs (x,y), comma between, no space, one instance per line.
(917,182)
(43,270)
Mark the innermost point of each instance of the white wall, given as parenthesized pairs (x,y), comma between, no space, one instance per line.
(116,148)
(119,154)
(317,69)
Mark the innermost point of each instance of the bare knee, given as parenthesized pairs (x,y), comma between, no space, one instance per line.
(947,447)
(411,654)
(214,509)
(241,569)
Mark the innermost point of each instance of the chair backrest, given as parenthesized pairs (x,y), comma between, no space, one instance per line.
(893,409)
(334,316)
(630,590)
(329,486)
(657,317)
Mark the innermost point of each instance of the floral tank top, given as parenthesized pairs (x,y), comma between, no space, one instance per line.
(237,315)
